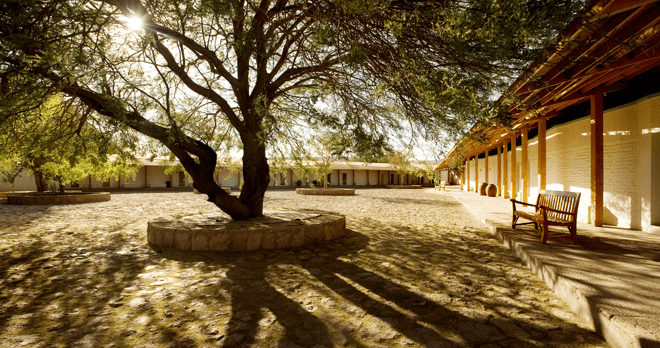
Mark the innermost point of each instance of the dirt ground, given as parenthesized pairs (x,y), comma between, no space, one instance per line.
(416,270)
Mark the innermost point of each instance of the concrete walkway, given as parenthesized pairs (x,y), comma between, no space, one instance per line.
(611,279)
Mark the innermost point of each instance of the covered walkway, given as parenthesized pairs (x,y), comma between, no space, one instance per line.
(611,279)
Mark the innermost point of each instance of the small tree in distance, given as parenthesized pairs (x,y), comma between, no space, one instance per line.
(324,147)
(401,159)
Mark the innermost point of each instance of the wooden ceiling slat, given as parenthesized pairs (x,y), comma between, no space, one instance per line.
(647,20)
(621,6)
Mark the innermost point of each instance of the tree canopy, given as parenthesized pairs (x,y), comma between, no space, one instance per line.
(261,73)
(60,140)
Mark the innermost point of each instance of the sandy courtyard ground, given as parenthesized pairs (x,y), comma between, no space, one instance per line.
(416,270)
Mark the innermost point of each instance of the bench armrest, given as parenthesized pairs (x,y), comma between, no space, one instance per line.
(523,203)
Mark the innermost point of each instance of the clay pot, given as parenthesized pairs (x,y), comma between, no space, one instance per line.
(482,189)
(491,190)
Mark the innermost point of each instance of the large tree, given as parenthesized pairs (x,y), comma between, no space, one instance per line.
(196,73)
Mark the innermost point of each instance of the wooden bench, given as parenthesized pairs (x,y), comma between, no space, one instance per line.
(442,186)
(552,208)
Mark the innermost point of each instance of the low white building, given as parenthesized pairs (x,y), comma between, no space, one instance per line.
(152,175)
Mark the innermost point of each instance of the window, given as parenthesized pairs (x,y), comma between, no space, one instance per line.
(391,179)
(343,178)
(282,179)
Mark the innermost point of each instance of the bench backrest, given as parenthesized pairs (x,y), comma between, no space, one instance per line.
(565,201)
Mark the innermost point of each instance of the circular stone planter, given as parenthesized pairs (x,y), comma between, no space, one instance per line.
(276,230)
(403,187)
(71,197)
(325,192)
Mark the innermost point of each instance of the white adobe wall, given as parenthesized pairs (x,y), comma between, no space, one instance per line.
(361,177)
(23,182)
(156,177)
(631,148)
(137,181)
(228,179)
(373,177)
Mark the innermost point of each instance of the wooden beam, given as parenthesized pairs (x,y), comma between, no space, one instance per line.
(90,181)
(505,170)
(145,176)
(514,164)
(379,178)
(523,167)
(578,96)
(597,156)
(541,149)
(368,184)
(486,166)
(615,7)
(589,67)
(467,165)
(476,172)
(499,170)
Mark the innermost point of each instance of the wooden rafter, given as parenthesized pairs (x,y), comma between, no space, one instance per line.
(617,41)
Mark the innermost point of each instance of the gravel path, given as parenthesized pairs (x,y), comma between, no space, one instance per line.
(416,270)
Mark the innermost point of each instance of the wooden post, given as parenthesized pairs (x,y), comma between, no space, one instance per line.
(499,170)
(541,155)
(597,156)
(353,177)
(486,166)
(525,157)
(368,184)
(467,165)
(476,172)
(145,176)
(505,169)
(514,164)
(462,177)
(379,178)
(90,181)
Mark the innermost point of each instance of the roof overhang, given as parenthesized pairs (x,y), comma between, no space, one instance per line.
(616,41)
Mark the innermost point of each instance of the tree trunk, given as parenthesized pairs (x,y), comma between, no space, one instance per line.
(39,181)
(62,187)
(255,175)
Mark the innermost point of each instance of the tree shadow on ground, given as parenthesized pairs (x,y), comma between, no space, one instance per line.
(332,296)
(60,296)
